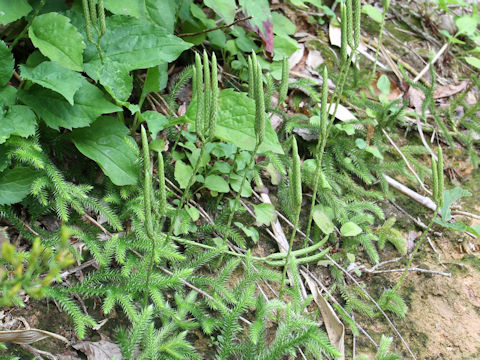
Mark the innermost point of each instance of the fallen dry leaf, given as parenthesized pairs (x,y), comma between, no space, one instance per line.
(100,350)
(335,328)
(28,336)
(314,59)
(449,90)
(394,93)
(416,98)
(297,56)
(342,113)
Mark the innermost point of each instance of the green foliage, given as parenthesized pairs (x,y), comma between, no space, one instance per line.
(21,270)
(174,264)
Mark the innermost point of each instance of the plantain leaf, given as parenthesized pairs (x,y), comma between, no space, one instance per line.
(236,119)
(13,10)
(89,103)
(15,184)
(6,63)
(58,39)
(107,143)
(54,77)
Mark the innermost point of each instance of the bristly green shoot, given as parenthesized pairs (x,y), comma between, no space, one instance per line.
(296,200)
(319,177)
(350,40)
(251,90)
(259,126)
(199,94)
(344,35)
(212,121)
(207,93)
(91,14)
(209,118)
(357,17)
(435,180)
(282,92)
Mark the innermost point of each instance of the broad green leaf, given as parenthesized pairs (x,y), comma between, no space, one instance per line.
(282,26)
(134,43)
(106,142)
(235,124)
(360,143)
(15,184)
(383,84)
(58,39)
(183,173)
(6,63)
(116,79)
(224,8)
(156,122)
(323,221)
(124,7)
(473,61)
(89,103)
(193,212)
(11,10)
(466,24)
(373,13)
(251,232)
(235,182)
(350,229)
(217,183)
(8,95)
(156,79)
(19,120)
(162,13)
(449,197)
(221,167)
(264,214)
(55,77)
(284,47)
(375,152)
